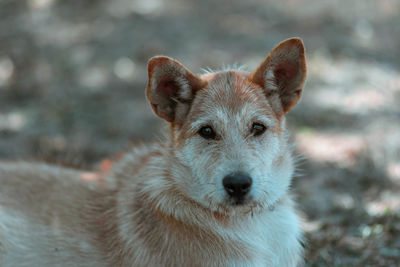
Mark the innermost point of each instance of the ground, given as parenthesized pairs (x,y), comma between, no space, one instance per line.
(72,78)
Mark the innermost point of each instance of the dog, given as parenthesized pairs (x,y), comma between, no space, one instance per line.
(215,192)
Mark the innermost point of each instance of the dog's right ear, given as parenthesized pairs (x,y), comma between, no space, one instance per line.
(171,88)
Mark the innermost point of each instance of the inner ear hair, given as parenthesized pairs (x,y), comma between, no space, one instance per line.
(171,88)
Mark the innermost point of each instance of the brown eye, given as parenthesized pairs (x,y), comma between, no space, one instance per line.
(258,129)
(207,132)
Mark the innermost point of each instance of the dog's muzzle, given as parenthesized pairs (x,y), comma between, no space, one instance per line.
(237,185)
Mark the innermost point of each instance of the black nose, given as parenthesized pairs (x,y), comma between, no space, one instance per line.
(237,185)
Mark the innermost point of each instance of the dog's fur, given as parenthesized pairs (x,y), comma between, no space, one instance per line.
(165,204)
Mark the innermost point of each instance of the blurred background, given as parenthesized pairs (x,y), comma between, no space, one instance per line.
(73,73)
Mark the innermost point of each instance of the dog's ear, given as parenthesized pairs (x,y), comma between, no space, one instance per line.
(171,88)
(282,74)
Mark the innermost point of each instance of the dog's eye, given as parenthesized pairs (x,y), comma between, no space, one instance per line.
(258,129)
(207,132)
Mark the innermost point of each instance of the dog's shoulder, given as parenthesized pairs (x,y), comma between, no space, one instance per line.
(141,160)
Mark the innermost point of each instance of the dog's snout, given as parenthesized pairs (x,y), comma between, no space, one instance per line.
(237,185)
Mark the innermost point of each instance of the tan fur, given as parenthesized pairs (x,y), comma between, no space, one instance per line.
(164,204)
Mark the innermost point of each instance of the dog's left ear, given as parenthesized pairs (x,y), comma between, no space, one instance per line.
(282,74)
(171,88)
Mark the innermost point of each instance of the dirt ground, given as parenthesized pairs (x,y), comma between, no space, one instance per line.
(72,78)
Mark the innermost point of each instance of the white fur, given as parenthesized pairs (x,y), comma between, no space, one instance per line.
(270,80)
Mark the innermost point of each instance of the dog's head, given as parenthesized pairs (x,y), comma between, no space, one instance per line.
(228,130)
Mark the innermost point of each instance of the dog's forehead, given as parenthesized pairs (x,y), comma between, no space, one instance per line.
(230,95)
(230,89)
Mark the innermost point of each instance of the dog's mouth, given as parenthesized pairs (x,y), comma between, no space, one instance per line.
(231,206)
(239,201)
(244,206)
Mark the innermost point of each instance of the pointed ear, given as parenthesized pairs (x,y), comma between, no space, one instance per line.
(282,74)
(171,88)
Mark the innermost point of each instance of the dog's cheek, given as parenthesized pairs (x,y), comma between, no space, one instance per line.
(281,175)
(193,157)
(264,152)
(208,168)
(189,153)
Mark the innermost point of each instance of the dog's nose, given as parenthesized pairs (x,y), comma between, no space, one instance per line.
(237,185)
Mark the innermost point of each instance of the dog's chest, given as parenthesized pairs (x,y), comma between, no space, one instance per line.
(255,239)
(270,240)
